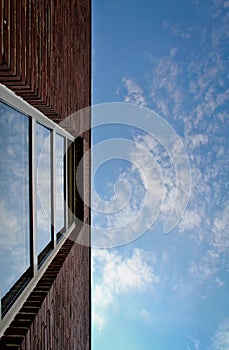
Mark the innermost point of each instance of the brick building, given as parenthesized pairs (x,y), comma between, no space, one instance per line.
(45,76)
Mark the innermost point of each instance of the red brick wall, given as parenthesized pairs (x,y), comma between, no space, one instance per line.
(45,57)
(45,53)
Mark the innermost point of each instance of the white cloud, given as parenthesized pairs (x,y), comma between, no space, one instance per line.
(220,238)
(198,140)
(98,321)
(118,275)
(154,188)
(190,220)
(134,92)
(201,107)
(220,340)
(219,282)
(200,104)
(216,255)
(176,30)
(206,266)
(145,314)
(192,92)
(144,180)
(131,273)
(103,295)
(147,317)
(9,223)
(195,342)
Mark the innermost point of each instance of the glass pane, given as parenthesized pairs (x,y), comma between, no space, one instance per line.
(14,200)
(59,214)
(43,161)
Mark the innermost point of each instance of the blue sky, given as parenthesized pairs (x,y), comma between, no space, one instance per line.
(163,291)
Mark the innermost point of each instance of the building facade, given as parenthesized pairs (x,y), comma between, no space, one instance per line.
(45,95)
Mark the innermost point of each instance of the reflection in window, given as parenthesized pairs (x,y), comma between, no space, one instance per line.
(60,203)
(14,200)
(43,162)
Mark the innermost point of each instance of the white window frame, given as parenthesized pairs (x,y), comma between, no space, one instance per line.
(16,102)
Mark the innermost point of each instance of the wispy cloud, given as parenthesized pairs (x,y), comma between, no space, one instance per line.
(192,92)
(191,220)
(220,340)
(195,343)
(147,317)
(215,256)
(177,30)
(153,183)
(134,92)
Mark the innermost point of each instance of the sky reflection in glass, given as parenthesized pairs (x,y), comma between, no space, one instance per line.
(43,161)
(59,217)
(14,200)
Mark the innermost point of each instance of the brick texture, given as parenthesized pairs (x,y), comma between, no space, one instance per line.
(45,53)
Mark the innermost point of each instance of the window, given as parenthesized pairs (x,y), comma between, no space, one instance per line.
(37,187)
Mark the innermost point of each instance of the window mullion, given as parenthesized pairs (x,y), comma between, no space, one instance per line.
(53,186)
(74,183)
(33,218)
(66,183)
